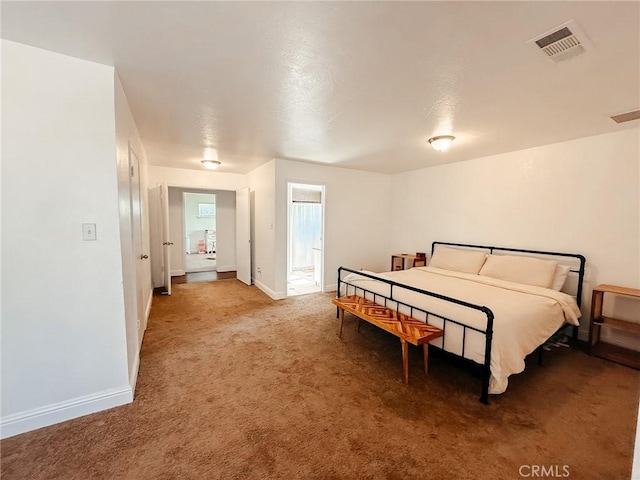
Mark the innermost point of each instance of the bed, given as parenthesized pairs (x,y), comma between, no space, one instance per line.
(496,305)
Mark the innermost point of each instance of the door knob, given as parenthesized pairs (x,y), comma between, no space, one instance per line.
(144,257)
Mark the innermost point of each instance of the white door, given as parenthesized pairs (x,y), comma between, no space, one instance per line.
(243,236)
(155,233)
(140,256)
(166,238)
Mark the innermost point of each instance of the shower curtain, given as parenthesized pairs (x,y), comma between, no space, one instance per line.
(305,233)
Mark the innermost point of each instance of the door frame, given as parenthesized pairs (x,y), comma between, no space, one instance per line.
(323,189)
(166,237)
(243,236)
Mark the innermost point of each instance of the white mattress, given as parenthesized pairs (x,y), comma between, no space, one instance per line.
(525,316)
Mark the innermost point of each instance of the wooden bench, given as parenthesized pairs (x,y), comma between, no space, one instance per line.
(406,328)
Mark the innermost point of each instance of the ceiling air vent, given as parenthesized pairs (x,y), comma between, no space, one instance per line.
(626,117)
(562,42)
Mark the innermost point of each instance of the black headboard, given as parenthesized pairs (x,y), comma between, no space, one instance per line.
(492,249)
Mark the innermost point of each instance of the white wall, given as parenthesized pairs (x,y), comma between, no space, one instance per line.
(136,278)
(63,319)
(195,179)
(262,190)
(357,207)
(357,211)
(580,196)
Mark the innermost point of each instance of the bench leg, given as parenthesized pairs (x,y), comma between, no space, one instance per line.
(405,360)
(341,317)
(425,347)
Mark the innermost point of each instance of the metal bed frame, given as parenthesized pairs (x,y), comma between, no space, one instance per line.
(487,331)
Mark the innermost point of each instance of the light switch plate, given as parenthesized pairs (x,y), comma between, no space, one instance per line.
(89,231)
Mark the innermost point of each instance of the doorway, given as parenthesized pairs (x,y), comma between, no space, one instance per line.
(169,244)
(305,246)
(200,232)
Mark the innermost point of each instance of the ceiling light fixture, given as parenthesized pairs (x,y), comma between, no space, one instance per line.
(441,142)
(211,164)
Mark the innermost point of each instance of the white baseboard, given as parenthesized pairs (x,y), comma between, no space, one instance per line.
(178,273)
(225,268)
(133,374)
(147,311)
(268,291)
(330,288)
(59,412)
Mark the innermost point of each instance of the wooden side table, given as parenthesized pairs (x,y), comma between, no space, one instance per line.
(402,261)
(597,322)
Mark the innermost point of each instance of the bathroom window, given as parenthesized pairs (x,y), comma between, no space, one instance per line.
(206,209)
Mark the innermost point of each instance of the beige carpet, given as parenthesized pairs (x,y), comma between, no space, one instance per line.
(235,385)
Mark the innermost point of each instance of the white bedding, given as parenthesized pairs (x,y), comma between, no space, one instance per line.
(525,316)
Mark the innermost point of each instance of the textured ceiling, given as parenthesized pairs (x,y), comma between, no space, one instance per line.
(354,84)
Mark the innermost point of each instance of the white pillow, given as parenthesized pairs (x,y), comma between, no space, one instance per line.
(525,270)
(562,271)
(467,261)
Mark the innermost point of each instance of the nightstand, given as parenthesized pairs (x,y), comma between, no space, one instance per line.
(402,261)
(615,353)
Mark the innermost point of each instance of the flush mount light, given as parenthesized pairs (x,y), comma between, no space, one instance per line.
(211,164)
(442,142)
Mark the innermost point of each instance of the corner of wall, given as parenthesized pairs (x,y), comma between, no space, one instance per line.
(271,293)
(12,425)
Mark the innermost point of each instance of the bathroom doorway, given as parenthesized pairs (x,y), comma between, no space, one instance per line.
(305,246)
